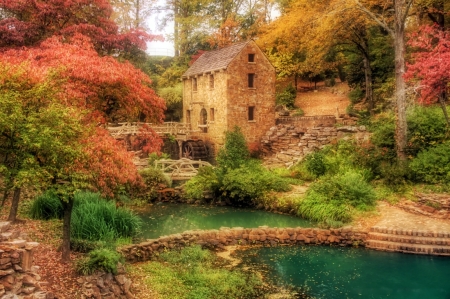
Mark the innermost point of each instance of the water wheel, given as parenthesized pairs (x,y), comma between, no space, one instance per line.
(195,150)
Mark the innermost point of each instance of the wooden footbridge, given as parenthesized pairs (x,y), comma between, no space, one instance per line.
(191,151)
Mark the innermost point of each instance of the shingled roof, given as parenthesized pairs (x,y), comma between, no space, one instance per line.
(214,60)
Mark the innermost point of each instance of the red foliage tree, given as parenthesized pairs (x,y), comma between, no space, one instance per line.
(28,22)
(431,64)
(108,88)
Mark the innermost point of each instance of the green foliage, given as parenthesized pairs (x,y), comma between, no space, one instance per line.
(46,206)
(85,246)
(432,165)
(205,181)
(332,198)
(394,175)
(298,112)
(173,95)
(100,259)
(248,183)
(287,96)
(153,179)
(427,127)
(315,163)
(193,273)
(96,219)
(356,95)
(235,152)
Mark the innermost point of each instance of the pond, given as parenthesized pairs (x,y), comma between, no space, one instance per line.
(343,272)
(166,218)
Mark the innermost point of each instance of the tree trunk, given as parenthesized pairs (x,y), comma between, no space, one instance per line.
(65,256)
(444,108)
(14,205)
(369,87)
(5,196)
(400,87)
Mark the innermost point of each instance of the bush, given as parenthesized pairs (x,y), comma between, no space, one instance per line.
(315,163)
(356,95)
(433,165)
(46,206)
(205,181)
(427,127)
(235,152)
(96,219)
(194,273)
(246,184)
(286,97)
(100,259)
(331,199)
(153,180)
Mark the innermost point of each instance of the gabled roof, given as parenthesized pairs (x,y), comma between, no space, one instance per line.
(215,60)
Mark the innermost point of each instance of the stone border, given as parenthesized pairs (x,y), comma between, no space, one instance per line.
(261,236)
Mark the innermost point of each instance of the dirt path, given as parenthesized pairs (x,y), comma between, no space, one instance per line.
(324,100)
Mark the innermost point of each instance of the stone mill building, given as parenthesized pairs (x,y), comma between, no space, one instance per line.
(232,86)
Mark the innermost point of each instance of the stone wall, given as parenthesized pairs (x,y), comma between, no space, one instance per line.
(18,276)
(286,144)
(262,236)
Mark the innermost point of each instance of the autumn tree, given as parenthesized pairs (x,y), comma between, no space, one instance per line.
(29,22)
(430,65)
(132,14)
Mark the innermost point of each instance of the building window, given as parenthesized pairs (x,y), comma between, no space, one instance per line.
(251,57)
(188,116)
(211,114)
(251,113)
(203,121)
(194,84)
(251,80)
(211,81)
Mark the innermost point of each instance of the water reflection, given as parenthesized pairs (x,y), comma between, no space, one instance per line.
(334,272)
(165,219)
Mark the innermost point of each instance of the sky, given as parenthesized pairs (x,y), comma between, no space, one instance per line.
(165,48)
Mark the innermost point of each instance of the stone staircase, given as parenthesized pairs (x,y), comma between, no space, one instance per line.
(409,241)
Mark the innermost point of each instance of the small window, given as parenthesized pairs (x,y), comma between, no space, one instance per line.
(251,113)
(204,121)
(194,84)
(251,57)
(211,81)
(251,80)
(211,114)
(188,116)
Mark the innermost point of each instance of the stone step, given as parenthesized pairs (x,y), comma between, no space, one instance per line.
(408,239)
(406,232)
(408,248)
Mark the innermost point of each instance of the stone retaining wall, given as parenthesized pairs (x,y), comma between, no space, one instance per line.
(18,276)
(263,236)
(286,144)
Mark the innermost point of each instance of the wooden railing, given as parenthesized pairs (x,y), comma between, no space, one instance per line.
(182,169)
(167,128)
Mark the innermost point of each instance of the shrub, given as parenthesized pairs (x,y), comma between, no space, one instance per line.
(394,175)
(96,219)
(153,180)
(356,95)
(332,198)
(100,259)
(286,97)
(315,163)
(433,165)
(205,181)
(427,127)
(235,151)
(246,184)
(46,206)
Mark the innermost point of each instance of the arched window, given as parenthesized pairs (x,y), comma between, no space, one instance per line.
(203,120)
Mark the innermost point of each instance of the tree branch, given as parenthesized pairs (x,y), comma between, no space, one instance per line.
(375,18)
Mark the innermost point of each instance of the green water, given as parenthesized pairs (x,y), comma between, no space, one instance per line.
(165,219)
(335,272)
